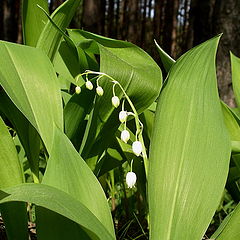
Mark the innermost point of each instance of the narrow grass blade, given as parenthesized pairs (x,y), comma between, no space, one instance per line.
(50,37)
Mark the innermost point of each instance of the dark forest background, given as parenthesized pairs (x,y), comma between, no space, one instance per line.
(177,25)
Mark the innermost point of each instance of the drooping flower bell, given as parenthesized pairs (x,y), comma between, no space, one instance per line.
(137,148)
(131,179)
(89,85)
(123,116)
(77,90)
(125,136)
(99,91)
(115,101)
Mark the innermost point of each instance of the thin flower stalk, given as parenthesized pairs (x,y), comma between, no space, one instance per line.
(139,125)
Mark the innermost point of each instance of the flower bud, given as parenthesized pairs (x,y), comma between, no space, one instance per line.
(99,91)
(137,148)
(115,101)
(123,116)
(125,136)
(89,85)
(131,179)
(77,89)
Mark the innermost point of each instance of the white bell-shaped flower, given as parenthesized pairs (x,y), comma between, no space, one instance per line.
(115,101)
(89,85)
(123,116)
(137,148)
(77,89)
(99,91)
(125,136)
(131,179)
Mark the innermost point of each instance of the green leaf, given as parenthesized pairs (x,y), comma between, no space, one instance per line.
(66,62)
(9,162)
(232,127)
(232,121)
(138,74)
(51,225)
(190,149)
(59,202)
(67,171)
(50,38)
(15,218)
(29,79)
(33,20)
(26,132)
(11,174)
(167,61)
(235,62)
(229,229)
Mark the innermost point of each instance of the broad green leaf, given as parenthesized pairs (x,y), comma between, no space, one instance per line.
(138,74)
(26,132)
(229,229)
(14,215)
(190,149)
(15,218)
(50,37)
(10,167)
(67,171)
(235,62)
(167,61)
(51,225)
(29,79)
(66,62)
(33,20)
(113,157)
(59,202)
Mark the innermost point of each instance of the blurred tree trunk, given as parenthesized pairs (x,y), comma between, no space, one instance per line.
(227,21)
(2,19)
(174,28)
(170,26)
(110,19)
(133,14)
(201,20)
(143,27)
(209,18)
(11,22)
(94,16)
(158,20)
(117,17)
(123,19)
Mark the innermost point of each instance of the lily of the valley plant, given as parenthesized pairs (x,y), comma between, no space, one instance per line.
(90,136)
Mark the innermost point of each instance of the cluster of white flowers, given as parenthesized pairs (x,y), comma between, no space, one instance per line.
(89,86)
(137,146)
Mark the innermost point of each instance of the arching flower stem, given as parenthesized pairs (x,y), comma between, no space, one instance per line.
(139,125)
